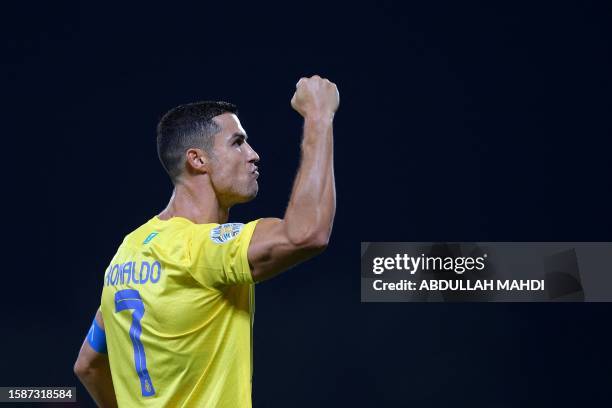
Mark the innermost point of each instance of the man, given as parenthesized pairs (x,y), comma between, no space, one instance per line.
(177,302)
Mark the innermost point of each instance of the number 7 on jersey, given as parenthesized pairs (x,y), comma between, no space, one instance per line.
(129,299)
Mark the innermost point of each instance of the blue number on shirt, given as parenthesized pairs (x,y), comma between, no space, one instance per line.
(129,299)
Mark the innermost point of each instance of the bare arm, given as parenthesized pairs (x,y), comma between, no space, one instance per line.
(93,371)
(278,244)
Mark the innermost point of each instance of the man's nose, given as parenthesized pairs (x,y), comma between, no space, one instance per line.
(253,156)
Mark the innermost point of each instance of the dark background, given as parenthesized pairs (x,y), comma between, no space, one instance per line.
(467,121)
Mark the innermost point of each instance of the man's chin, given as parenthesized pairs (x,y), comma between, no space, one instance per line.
(254,194)
(248,197)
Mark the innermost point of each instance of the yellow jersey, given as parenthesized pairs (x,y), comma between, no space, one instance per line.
(178,306)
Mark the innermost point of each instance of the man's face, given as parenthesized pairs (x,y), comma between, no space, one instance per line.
(233,163)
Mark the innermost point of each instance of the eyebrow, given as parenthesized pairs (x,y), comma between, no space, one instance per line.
(239,135)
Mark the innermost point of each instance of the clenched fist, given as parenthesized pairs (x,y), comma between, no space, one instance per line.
(315,97)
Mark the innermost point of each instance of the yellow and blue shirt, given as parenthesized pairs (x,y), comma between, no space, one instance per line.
(178,306)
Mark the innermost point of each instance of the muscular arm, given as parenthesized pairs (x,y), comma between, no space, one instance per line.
(278,244)
(93,371)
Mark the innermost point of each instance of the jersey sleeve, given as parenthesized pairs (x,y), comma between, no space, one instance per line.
(219,254)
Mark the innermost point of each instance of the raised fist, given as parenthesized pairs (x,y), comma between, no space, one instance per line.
(315,97)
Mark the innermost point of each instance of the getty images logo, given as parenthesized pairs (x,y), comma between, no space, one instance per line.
(412,264)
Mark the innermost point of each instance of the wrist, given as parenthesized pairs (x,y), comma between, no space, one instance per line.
(319,117)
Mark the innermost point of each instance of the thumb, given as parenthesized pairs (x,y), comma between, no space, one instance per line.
(293,100)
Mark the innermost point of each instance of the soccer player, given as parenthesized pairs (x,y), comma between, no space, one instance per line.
(174,326)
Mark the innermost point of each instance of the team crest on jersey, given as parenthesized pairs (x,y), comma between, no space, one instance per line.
(225,232)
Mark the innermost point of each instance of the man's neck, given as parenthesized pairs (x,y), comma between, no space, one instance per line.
(196,202)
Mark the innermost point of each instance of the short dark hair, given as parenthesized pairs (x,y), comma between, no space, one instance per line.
(187,126)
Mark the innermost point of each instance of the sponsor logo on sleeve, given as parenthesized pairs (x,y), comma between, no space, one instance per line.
(225,232)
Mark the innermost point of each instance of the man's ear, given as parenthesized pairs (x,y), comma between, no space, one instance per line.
(197,161)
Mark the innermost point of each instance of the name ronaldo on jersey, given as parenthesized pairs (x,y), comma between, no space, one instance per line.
(126,273)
